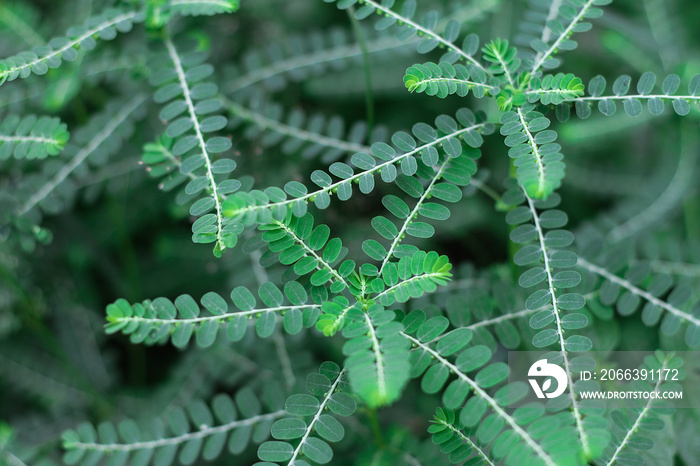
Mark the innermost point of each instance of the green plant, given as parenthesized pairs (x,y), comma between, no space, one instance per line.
(467,255)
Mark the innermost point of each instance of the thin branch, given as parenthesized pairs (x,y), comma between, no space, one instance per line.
(535,150)
(357,176)
(468,441)
(220,317)
(405,282)
(111,447)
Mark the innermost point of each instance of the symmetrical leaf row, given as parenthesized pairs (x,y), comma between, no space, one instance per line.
(673,308)
(503,59)
(185,436)
(161,320)
(377,356)
(256,206)
(409,28)
(445,79)
(409,278)
(311,422)
(446,430)
(312,136)
(533,25)
(50,190)
(634,428)
(31,137)
(494,313)
(296,243)
(202,7)
(632,104)
(554,89)
(537,158)
(543,255)
(543,252)
(560,26)
(44,57)
(191,116)
(525,437)
(444,182)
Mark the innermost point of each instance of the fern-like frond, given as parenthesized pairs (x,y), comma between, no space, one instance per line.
(102,134)
(447,432)
(538,162)
(157,321)
(446,172)
(555,448)
(311,136)
(202,7)
(328,389)
(554,89)
(533,25)
(559,37)
(40,59)
(181,79)
(31,137)
(409,226)
(411,277)
(309,54)
(200,430)
(632,104)
(297,242)
(546,256)
(503,59)
(443,80)
(630,426)
(629,301)
(255,207)
(377,356)
(409,28)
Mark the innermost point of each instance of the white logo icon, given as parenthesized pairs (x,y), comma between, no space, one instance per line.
(543,369)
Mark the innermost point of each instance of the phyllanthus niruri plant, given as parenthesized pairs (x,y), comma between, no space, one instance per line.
(308,337)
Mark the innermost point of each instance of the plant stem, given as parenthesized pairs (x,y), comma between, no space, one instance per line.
(369,95)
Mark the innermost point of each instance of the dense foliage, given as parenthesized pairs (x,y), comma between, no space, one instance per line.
(383,196)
